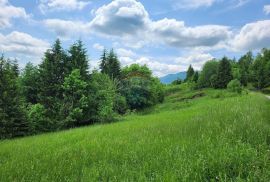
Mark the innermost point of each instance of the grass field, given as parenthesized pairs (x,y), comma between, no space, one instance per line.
(194,136)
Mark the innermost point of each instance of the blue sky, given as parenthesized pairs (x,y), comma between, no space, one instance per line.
(167,35)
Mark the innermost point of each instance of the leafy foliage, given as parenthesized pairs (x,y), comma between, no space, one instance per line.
(235,86)
(140,88)
(207,74)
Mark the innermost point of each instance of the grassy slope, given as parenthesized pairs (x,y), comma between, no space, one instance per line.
(187,140)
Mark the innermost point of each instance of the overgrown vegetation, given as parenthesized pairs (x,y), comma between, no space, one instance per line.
(61,93)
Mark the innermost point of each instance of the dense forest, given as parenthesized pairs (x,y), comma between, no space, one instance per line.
(62,93)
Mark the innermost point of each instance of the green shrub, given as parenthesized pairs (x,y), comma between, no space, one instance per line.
(235,86)
(120,104)
(38,119)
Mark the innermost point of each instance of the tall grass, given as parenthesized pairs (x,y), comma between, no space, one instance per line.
(201,139)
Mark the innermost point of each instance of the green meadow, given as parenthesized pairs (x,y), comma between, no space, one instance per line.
(203,135)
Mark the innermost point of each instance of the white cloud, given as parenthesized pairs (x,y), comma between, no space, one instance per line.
(61,5)
(8,12)
(128,21)
(120,18)
(193,4)
(98,47)
(252,36)
(176,34)
(195,59)
(66,28)
(24,44)
(266,9)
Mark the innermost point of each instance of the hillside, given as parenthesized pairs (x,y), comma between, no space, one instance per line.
(193,136)
(167,79)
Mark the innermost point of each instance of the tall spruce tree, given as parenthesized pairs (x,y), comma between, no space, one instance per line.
(29,81)
(110,64)
(195,77)
(78,59)
(53,70)
(103,62)
(190,73)
(12,117)
(224,73)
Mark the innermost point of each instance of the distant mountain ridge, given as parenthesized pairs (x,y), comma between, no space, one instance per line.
(171,77)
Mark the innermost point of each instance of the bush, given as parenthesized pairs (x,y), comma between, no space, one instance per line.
(140,88)
(101,98)
(235,86)
(120,104)
(177,82)
(39,122)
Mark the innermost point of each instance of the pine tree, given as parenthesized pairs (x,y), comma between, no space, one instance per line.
(110,64)
(29,81)
(103,62)
(78,59)
(12,117)
(190,73)
(224,73)
(53,70)
(195,77)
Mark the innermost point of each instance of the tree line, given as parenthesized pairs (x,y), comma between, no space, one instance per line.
(249,71)
(62,93)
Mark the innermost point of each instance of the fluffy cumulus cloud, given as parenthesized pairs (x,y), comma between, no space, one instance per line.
(22,44)
(175,33)
(8,12)
(266,9)
(129,21)
(61,5)
(252,36)
(120,18)
(66,28)
(197,60)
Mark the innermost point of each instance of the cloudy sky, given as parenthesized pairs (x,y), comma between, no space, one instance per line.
(167,35)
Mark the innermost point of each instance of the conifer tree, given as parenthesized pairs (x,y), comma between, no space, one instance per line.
(29,81)
(53,70)
(224,73)
(103,62)
(195,77)
(190,73)
(12,117)
(78,59)
(110,64)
